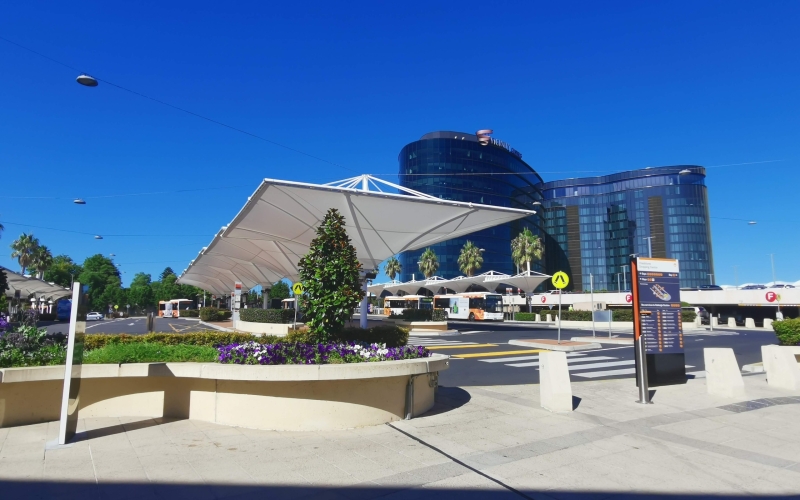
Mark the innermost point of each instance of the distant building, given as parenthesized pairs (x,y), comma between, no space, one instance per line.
(593,224)
(458,166)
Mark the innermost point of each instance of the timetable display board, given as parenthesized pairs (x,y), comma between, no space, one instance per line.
(658,282)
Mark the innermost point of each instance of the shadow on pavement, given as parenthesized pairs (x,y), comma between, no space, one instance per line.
(23,490)
(447,399)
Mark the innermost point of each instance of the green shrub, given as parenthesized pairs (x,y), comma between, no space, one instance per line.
(267,315)
(209,314)
(390,335)
(189,313)
(523,316)
(224,314)
(144,352)
(623,315)
(788,331)
(417,314)
(688,316)
(207,339)
(439,315)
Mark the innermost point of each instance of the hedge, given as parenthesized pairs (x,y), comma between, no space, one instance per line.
(267,315)
(214,314)
(391,335)
(189,313)
(787,331)
(421,315)
(208,339)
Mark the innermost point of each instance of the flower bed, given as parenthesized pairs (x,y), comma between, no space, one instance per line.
(253,353)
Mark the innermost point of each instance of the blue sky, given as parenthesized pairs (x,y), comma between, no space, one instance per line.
(580,88)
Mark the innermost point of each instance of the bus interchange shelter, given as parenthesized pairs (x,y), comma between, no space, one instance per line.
(27,288)
(526,281)
(271,233)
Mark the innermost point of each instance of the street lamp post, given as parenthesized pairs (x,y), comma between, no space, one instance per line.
(618,288)
(649,245)
(710,279)
(736,275)
(591,291)
(625,276)
(772,261)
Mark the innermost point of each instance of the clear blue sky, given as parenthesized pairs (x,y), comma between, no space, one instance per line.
(579,88)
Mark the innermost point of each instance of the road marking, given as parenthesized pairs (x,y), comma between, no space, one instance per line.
(476,331)
(590,358)
(464,346)
(484,354)
(440,342)
(607,373)
(179,330)
(524,358)
(602,365)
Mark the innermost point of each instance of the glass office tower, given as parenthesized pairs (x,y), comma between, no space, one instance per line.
(457,166)
(593,224)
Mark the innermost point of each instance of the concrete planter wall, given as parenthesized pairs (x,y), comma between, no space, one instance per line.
(277,329)
(286,397)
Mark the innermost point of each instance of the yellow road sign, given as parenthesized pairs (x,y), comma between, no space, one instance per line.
(297,288)
(560,280)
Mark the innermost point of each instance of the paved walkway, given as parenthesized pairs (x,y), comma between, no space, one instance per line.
(481,442)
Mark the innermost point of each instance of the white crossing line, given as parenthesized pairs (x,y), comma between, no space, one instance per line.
(579,360)
(439,342)
(607,373)
(601,365)
(526,358)
(475,331)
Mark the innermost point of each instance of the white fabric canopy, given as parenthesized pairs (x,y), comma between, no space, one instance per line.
(28,286)
(266,240)
(461,283)
(527,281)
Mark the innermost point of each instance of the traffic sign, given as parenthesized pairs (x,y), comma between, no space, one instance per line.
(772,296)
(297,288)
(628,298)
(544,299)
(560,280)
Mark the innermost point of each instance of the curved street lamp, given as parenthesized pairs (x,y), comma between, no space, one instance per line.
(87,80)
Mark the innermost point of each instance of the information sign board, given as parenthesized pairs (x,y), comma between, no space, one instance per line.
(70,399)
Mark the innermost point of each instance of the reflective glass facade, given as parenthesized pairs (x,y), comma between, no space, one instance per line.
(594,224)
(455,166)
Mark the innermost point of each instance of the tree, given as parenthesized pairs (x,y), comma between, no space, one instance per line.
(470,259)
(393,267)
(41,260)
(330,275)
(140,292)
(279,290)
(23,248)
(103,279)
(63,271)
(526,247)
(428,262)
(3,288)
(166,272)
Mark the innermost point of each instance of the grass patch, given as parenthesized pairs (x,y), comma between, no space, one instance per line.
(143,352)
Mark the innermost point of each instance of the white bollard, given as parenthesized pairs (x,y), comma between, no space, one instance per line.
(549,318)
(767,323)
(723,377)
(732,322)
(538,318)
(714,321)
(781,366)
(698,321)
(749,323)
(554,385)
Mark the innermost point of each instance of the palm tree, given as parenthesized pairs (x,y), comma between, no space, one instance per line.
(470,259)
(393,267)
(42,260)
(526,247)
(428,262)
(23,248)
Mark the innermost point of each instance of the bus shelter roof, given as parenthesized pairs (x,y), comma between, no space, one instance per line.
(28,286)
(527,281)
(461,283)
(274,229)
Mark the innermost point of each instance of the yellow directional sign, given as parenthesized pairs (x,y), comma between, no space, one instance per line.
(297,288)
(560,280)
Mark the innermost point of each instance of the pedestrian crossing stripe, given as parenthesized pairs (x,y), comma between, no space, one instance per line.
(590,358)
(525,358)
(463,346)
(504,353)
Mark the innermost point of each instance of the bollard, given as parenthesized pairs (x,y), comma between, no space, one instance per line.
(723,376)
(732,322)
(150,322)
(549,318)
(781,366)
(555,389)
(714,321)
(749,323)
(767,323)
(538,318)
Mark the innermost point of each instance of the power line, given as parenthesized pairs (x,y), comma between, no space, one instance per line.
(178,108)
(121,195)
(92,234)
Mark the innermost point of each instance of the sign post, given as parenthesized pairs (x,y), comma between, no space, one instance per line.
(70,398)
(560,281)
(237,301)
(591,290)
(658,333)
(298,289)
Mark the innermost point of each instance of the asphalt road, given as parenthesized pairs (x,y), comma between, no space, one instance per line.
(136,326)
(481,355)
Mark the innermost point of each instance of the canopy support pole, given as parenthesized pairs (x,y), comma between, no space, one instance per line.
(364,305)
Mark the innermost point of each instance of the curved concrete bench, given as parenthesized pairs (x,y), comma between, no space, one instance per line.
(284,397)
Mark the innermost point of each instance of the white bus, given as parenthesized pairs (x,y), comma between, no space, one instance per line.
(172,308)
(472,306)
(395,305)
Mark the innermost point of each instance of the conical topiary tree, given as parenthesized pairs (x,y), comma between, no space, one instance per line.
(330,276)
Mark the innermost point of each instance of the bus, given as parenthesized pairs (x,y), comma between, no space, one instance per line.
(471,306)
(396,305)
(172,308)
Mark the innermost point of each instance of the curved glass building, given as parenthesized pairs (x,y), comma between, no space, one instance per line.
(593,224)
(463,167)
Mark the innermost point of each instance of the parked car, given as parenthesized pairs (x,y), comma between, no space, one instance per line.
(710,287)
(781,285)
(94,316)
(754,287)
